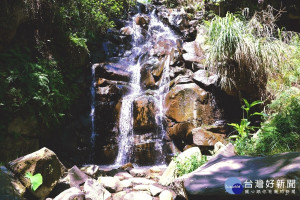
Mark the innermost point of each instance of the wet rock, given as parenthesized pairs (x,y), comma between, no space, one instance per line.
(194,53)
(72,193)
(182,101)
(142,20)
(137,196)
(162,47)
(43,161)
(76,176)
(166,195)
(169,174)
(95,191)
(144,113)
(204,79)
(179,19)
(119,195)
(112,71)
(138,172)
(10,186)
(277,167)
(126,166)
(126,30)
(147,79)
(112,184)
(202,137)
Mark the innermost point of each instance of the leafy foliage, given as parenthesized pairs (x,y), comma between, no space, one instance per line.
(244,128)
(281,132)
(188,165)
(35,180)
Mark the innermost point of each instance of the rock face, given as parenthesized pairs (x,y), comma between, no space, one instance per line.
(181,102)
(144,113)
(43,161)
(284,167)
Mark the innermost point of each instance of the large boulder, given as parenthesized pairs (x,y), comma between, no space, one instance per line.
(183,103)
(280,168)
(144,113)
(202,137)
(169,174)
(181,134)
(43,161)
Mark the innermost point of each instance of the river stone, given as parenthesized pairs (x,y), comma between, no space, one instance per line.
(43,161)
(72,193)
(126,30)
(112,184)
(90,170)
(141,181)
(166,195)
(95,191)
(182,102)
(154,190)
(119,195)
(126,183)
(202,137)
(144,111)
(155,169)
(76,177)
(169,174)
(137,196)
(285,166)
(138,172)
(123,175)
(141,188)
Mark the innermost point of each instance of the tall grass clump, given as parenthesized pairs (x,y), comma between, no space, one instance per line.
(240,56)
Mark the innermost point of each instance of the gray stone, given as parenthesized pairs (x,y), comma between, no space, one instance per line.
(154,190)
(217,170)
(112,184)
(95,191)
(137,196)
(76,177)
(166,195)
(138,172)
(204,79)
(72,193)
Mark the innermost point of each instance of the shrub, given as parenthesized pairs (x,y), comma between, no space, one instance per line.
(188,165)
(240,57)
(281,132)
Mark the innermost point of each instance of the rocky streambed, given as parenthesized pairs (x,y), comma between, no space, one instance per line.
(93,182)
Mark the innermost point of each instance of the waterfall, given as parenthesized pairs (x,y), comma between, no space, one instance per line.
(126,117)
(130,139)
(92,113)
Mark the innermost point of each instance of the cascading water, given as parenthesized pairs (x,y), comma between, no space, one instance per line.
(140,43)
(92,114)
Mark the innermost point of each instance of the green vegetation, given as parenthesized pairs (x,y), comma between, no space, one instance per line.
(35,180)
(241,56)
(244,129)
(188,165)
